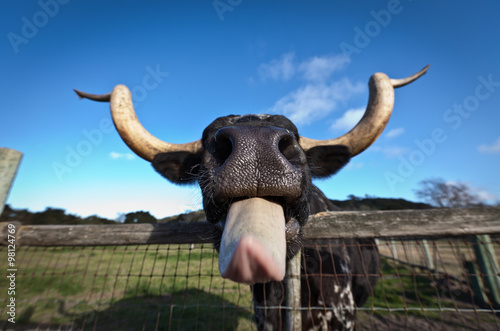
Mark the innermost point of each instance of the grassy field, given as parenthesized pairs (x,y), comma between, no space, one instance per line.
(126,288)
(179,287)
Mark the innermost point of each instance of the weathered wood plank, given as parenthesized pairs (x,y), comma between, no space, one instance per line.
(122,234)
(404,223)
(380,224)
(431,222)
(9,162)
(6,229)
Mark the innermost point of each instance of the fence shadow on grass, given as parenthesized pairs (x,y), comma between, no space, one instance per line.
(190,309)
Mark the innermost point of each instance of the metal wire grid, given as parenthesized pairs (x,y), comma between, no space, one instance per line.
(422,285)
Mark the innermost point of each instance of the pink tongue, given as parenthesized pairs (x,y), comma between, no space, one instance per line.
(253,247)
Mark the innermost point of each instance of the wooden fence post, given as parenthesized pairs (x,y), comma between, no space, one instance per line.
(476,283)
(488,266)
(429,261)
(293,318)
(394,249)
(9,162)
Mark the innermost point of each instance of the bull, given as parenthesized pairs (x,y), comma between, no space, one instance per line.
(255,173)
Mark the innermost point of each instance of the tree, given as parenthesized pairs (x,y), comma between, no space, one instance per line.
(139,217)
(443,194)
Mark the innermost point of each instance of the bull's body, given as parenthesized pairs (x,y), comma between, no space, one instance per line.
(255,173)
(337,276)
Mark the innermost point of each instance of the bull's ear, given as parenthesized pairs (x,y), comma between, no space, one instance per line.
(325,161)
(178,167)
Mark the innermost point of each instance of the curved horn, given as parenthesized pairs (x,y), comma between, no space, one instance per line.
(377,114)
(137,138)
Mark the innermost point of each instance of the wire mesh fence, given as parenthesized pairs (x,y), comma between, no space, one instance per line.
(178,287)
(141,287)
(431,283)
(428,284)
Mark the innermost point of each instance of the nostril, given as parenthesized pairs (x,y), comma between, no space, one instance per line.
(223,147)
(287,147)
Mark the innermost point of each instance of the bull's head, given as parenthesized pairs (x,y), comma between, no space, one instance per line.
(255,174)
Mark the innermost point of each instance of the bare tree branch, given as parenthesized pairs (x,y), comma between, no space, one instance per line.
(439,193)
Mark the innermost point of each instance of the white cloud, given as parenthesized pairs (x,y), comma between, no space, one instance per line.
(490,149)
(485,196)
(349,119)
(395,133)
(394,151)
(319,95)
(126,156)
(314,69)
(354,165)
(320,68)
(315,101)
(281,69)
(391,151)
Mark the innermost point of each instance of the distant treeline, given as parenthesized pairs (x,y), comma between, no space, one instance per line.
(55,216)
(374,203)
(52,216)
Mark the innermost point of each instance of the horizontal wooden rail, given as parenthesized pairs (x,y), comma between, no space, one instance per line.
(379,224)
(404,223)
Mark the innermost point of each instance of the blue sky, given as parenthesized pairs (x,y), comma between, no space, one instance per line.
(188,63)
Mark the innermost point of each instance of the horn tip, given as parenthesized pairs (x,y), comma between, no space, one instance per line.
(95,97)
(405,81)
(79,93)
(424,70)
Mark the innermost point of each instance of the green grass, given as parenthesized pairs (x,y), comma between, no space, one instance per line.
(411,298)
(401,287)
(126,288)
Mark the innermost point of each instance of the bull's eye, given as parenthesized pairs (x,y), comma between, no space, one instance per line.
(287,147)
(223,148)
